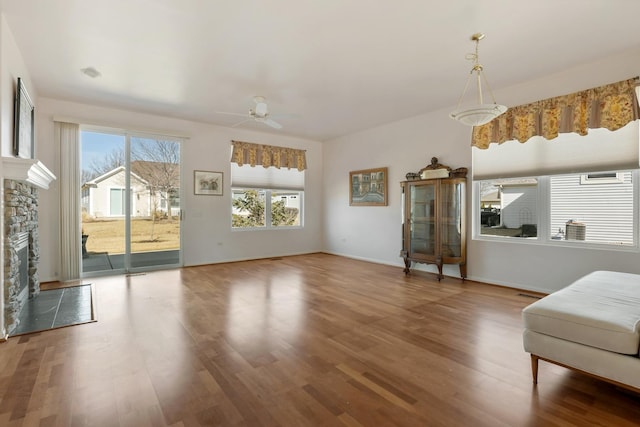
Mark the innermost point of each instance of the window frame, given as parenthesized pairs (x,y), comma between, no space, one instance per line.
(267,209)
(543,201)
(586,179)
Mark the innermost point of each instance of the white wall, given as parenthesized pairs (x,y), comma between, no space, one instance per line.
(374,232)
(12,66)
(207,234)
(408,145)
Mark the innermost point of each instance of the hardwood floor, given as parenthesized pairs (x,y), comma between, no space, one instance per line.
(313,340)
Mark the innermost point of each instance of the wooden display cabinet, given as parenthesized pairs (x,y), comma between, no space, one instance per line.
(434,223)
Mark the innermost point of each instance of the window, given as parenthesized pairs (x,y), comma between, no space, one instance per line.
(248,208)
(601,178)
(597,209)
(285,208)
(585,190)
(174,198)
(266,198)
(263,208)
(594,208)
(508,207)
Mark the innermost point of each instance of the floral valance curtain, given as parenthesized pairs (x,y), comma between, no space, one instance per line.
(247,153)
(611,106)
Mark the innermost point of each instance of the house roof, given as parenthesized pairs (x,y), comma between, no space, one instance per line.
(120,169)
(145,171)
(337,67)
(515,182)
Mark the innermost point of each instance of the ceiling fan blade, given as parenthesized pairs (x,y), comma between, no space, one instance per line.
(241,122)
(285,116)
(272,123)
(231,114)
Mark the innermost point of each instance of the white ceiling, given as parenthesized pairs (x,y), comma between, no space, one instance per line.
(339,65)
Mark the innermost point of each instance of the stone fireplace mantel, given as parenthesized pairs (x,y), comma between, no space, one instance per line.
(32,171)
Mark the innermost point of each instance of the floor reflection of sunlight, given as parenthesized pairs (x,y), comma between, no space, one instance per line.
(264,311)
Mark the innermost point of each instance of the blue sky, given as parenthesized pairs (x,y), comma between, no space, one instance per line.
(95,146)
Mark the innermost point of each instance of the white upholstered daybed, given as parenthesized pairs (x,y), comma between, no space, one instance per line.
(592,326)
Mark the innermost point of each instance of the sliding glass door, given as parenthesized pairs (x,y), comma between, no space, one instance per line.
(130,202)
(155,202)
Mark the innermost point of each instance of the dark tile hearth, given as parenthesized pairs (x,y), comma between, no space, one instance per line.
(56,308)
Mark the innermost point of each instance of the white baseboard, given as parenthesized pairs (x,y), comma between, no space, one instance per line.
(375,261)
(226,260)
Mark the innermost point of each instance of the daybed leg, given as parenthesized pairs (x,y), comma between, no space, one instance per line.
(534,368)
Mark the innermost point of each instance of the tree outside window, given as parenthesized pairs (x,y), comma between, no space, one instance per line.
(265,208)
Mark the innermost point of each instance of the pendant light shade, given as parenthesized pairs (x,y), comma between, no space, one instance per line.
(480,113)
(477,115)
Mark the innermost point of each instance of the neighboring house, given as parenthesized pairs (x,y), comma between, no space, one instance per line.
(490,200)
(518,205)
(289,200)
(598,201)
(154,187)
(104,196)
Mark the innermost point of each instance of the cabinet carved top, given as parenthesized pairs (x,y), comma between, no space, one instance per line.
(437,170)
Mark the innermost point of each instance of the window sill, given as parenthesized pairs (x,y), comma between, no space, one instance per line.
(570,244)
(282,227)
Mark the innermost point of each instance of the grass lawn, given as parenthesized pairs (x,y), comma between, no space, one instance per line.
(108,235)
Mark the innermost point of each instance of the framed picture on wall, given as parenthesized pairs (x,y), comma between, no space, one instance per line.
(23,132)
(368,187)
(207,183)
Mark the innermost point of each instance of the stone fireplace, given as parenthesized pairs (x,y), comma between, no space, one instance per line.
(22,180)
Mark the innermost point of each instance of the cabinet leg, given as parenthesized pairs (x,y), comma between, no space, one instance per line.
(407,266)
(439,265)
(463,271)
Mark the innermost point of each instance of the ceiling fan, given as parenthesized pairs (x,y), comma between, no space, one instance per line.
(259,113)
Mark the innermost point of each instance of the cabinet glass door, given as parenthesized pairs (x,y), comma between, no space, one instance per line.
(423,219)
(452,227)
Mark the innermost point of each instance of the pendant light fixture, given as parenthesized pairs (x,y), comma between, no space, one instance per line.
(480,113)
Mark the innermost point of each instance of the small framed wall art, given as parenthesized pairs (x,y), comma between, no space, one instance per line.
(207,183)
(368,187)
